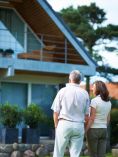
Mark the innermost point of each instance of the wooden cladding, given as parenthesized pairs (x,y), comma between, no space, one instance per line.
(18,1)
(37,18)
(44,26)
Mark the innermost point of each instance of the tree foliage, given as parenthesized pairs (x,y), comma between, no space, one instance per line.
(86,22)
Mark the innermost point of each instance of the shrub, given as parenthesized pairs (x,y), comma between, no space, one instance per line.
(1,51)
(10,115)
(33,115)
(10,51)
(114,103)
(114,126)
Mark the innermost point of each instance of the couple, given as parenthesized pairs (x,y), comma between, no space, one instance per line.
(73,111)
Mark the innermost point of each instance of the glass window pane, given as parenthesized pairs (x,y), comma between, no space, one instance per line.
(32,42)
(14,93)
(11,31)
(43,95)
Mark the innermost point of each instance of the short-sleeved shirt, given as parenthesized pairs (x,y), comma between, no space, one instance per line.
(72,103)
(102,110)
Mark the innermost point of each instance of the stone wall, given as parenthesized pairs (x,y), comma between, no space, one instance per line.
(25,150)
(37,150)
(32,150)
(115,151)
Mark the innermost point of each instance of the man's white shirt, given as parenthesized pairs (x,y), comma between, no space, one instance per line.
(72,103)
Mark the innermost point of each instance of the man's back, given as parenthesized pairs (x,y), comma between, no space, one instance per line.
(73,102)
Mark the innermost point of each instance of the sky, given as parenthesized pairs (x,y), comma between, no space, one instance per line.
(110,7)
(111,10)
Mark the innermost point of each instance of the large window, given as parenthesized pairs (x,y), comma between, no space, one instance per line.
(43,95)
(17,93)
(14,33)
(11,31)
(14,93)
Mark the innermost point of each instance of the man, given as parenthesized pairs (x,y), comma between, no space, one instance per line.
(70,107)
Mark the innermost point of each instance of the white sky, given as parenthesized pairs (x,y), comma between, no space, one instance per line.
(111,10)
(110,7)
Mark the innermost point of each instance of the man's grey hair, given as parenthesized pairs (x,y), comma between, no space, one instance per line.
(75,76)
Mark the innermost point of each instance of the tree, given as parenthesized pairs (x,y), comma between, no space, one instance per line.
(86,22)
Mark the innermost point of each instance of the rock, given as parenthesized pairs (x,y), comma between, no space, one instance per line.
(86,152)
(35,147)
(4,155)
(115,152)
(49,147)
(84,146)
(29,153)
(28,146)
(15,146)
(41,151)
(6,148)
(22,147)
(16,154)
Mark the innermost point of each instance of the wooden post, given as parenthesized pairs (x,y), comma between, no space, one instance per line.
(88,84)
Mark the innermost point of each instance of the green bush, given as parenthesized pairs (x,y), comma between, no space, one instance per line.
(33,115)
(114,126)
(114,103)
(10,115)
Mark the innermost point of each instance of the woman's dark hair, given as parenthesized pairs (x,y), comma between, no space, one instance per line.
(102,90)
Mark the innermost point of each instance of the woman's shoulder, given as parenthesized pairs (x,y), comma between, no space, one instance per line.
(96,98)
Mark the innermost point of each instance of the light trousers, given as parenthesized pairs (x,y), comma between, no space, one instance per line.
(69,134)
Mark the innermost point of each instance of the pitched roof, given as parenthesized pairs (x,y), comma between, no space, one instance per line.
(67,32)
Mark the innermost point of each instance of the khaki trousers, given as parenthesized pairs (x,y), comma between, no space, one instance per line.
(97,138)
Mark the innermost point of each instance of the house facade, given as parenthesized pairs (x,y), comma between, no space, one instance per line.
(44,51)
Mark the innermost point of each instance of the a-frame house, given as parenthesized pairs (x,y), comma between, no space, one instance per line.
(45,51)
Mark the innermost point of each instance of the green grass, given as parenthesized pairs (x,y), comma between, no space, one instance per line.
(108,155)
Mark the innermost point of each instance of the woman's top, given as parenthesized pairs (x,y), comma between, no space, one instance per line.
(102,110)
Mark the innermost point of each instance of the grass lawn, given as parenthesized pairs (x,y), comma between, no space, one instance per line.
(108,155)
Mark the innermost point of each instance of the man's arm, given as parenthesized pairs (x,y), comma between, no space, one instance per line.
(55,117)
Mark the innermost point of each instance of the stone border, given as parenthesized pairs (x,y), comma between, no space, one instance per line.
(115,152)
(45,148)
(25,150)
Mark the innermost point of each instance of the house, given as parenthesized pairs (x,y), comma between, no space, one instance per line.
(45,51)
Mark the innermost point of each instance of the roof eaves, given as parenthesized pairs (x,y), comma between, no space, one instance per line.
(62,24)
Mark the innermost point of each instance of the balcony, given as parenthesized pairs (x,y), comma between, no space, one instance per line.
(46,48)
(41,53)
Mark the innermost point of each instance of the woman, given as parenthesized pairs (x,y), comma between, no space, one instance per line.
(99,118)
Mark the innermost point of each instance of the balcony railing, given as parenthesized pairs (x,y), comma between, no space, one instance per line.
(42,47)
